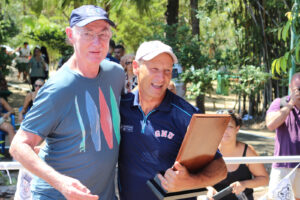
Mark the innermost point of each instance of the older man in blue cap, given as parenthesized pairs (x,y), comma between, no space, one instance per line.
(77,114)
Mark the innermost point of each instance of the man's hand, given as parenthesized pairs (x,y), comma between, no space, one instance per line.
(295,97)
(73,189)
(237,187)
(176,178)
(6,115)
(210,192)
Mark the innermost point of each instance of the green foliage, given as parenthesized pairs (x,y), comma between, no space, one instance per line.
(199,81)
(8,28)
(51,35)
(282,64)
(4,179)
(5,60)
(134,28)
(251,80)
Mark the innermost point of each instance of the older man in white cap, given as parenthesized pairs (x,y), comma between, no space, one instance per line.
(153,124)
(76,113)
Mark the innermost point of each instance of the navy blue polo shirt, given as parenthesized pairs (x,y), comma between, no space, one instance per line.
(149,143)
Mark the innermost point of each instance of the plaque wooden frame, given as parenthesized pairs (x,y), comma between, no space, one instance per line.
(194,154)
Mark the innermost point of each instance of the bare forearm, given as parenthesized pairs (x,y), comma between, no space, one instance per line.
(211,174)
(27,157)
(276,119)
(256,182)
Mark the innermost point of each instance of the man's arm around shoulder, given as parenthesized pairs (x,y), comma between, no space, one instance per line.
(22,149)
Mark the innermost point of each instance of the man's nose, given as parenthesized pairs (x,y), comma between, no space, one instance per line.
(96,39)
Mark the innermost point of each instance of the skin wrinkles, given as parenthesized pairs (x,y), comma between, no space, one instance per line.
(153,78)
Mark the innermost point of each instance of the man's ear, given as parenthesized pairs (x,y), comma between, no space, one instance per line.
(69,33)
(135,66)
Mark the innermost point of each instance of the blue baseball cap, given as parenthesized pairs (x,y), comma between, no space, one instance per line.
(86,14)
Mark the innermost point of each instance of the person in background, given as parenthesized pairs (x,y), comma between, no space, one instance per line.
(6,111)
(46,59)
(172,87)
(241,177)
(29,99)
(111,51)
(37,66)
(23,60)
(283,116)
(153,124)
(76,113)
(131,79)
(119,52)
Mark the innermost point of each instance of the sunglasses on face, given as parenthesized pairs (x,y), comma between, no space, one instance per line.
(128,63)
(36,85)
(225,112)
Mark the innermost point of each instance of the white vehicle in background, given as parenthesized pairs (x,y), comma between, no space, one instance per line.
(180,89)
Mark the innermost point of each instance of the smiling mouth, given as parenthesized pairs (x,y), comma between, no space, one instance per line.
(156,86)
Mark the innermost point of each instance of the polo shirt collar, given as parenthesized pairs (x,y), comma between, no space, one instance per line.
(164,106)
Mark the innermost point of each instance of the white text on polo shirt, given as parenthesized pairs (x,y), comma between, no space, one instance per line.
(164,133)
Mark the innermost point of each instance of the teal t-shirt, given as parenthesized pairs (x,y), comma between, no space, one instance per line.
(79,119)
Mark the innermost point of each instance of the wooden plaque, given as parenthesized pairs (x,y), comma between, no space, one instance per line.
(202,139)
(198,148)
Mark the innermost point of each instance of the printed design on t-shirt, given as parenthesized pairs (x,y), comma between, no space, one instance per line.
(94,120)
(82,143)
(115,114)
(105,120)
(164,133)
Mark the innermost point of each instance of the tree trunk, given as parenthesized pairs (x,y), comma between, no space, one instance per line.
(172,17)
(24,7)
(194,19)
(252,105)
(244,104)
(200,102)
(107,7)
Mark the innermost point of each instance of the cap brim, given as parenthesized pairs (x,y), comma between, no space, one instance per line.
(156,53)
(89,20)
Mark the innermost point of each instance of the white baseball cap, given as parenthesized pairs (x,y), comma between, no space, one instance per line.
(151,49)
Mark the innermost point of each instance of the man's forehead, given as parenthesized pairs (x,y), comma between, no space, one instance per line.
(98,24)
(296,82)
(161,56)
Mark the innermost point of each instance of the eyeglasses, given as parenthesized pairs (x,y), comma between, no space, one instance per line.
(36,85)
(128,63)
(225,111)
(89,36)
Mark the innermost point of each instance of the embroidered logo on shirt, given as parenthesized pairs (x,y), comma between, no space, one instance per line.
(127,128)
(164,133)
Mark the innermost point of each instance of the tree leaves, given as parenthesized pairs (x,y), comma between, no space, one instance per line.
(281,64)
(285,30)
(297,52)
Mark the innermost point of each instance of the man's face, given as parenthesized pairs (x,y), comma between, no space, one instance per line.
(295,85)
(154,76)
(91,42)
(118,53)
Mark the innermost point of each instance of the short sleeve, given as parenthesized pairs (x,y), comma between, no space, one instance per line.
(31,61)
(218,155)
(275,106)
(45,113)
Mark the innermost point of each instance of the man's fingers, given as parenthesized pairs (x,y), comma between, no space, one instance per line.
(81,194)
(170,174)
(178,166)
(163,181)
(81,187)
